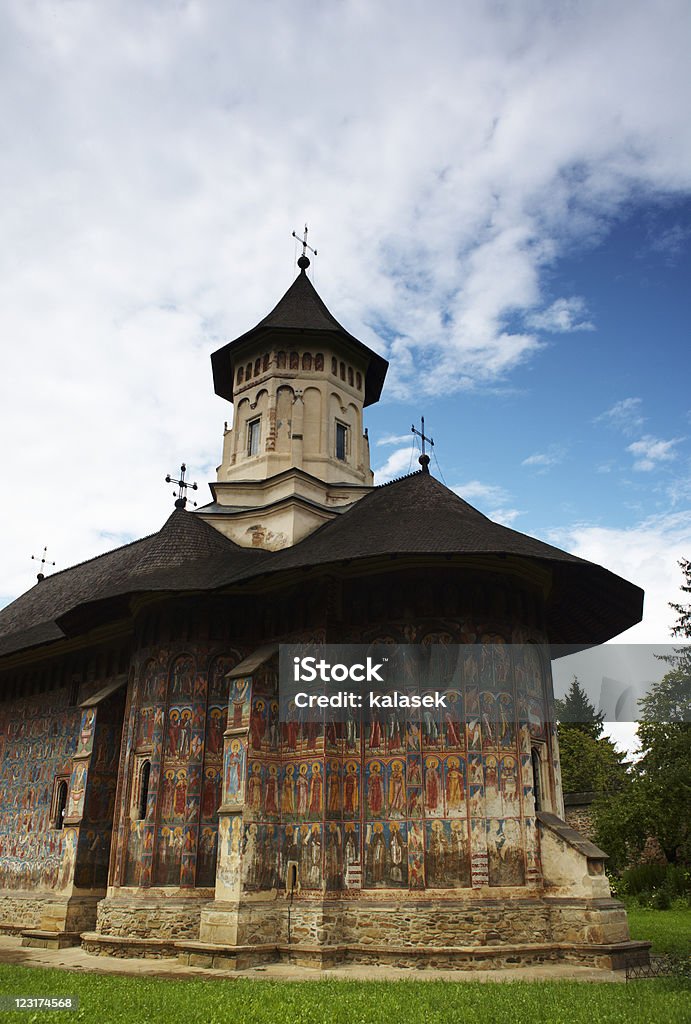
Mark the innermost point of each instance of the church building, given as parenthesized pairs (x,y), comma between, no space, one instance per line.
(155,802)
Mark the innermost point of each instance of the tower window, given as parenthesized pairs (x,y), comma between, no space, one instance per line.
(241,375)
(334,365)
(294,361)
(341,441)
(253,433)
(358,380)
(350,375)
(319,361)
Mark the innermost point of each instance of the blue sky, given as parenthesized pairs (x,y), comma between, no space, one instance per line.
(501,200)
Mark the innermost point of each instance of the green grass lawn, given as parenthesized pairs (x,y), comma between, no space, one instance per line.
(137,1000)
(668,930)
(148,1000)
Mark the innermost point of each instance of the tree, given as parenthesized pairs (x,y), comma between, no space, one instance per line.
(575,711)
(656,801)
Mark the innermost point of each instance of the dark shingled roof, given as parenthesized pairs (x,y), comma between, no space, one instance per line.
(301,309)
(186,553)
(416,515)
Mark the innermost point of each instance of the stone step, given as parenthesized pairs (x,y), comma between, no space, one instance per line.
(40,939)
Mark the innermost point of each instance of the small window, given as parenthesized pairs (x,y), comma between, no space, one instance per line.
(280,360)
(358,380)
(241,375)
(294,361)
(342,368)
(537,779)
(319,361)
(265,364)
(341,441)
(143,789)
(59,802)
(253,432)
(307,361)
(248,371)
(350,375)
(334,366)
(257,366)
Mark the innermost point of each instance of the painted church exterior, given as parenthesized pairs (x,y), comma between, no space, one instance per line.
(153,801)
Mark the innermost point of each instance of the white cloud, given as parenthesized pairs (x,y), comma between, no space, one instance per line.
(475,490)
(505,516)
(650,451)
(563,316)
(625,415)
(399,463)
(544,461)
(646,554)
(394,439)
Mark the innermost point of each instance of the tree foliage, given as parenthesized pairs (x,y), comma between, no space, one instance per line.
(656,798)
(575,711)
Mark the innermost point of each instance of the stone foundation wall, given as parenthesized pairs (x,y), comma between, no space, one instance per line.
(421,924)
(151,917)
(580,817)
(45,911)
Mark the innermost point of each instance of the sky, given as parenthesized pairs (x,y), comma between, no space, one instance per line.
(500,197)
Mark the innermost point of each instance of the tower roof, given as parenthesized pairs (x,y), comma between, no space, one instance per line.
(301,312)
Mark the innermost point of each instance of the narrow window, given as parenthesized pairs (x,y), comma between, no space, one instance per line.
(59,803)
(334,366)
(341,441)
(248,371)
(253,431)
(294,361)
(265,364)
(280,360)
(358,380)
(537,787)
(307,361)
(319,361)
(342,371)
(241,375)
(350,375)
(143,793)
(257,366)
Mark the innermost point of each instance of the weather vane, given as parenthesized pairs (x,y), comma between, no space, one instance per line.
(304,260)
(44,561)
(182,486)
(424,459)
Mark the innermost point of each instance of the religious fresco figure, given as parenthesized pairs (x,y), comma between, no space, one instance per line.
(455,786)
(180,797)
(333,790)
(316,791)
(238,699)
(250,857)
(234,771)
(334,857)
(288,791)
(397,855)
(257,724)
(397,791)
(167,794)
(173,731)
(375,789)
(211,793)
(376,734)
(509,785)
(185,734)
(291,727)
(376,854)
(271,791)
(214,732)
(254,787)
(435,858)
(351,789)
(302,791)
(433,796)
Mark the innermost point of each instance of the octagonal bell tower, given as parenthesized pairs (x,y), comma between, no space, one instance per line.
(297,452)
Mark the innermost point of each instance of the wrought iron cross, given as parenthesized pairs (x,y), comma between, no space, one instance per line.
(424,459)
(304,260)
(44,561)
(182,485)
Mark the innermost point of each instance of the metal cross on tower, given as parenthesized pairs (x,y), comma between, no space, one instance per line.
(182,485)
(44,561)
(304,261)
(424,459)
